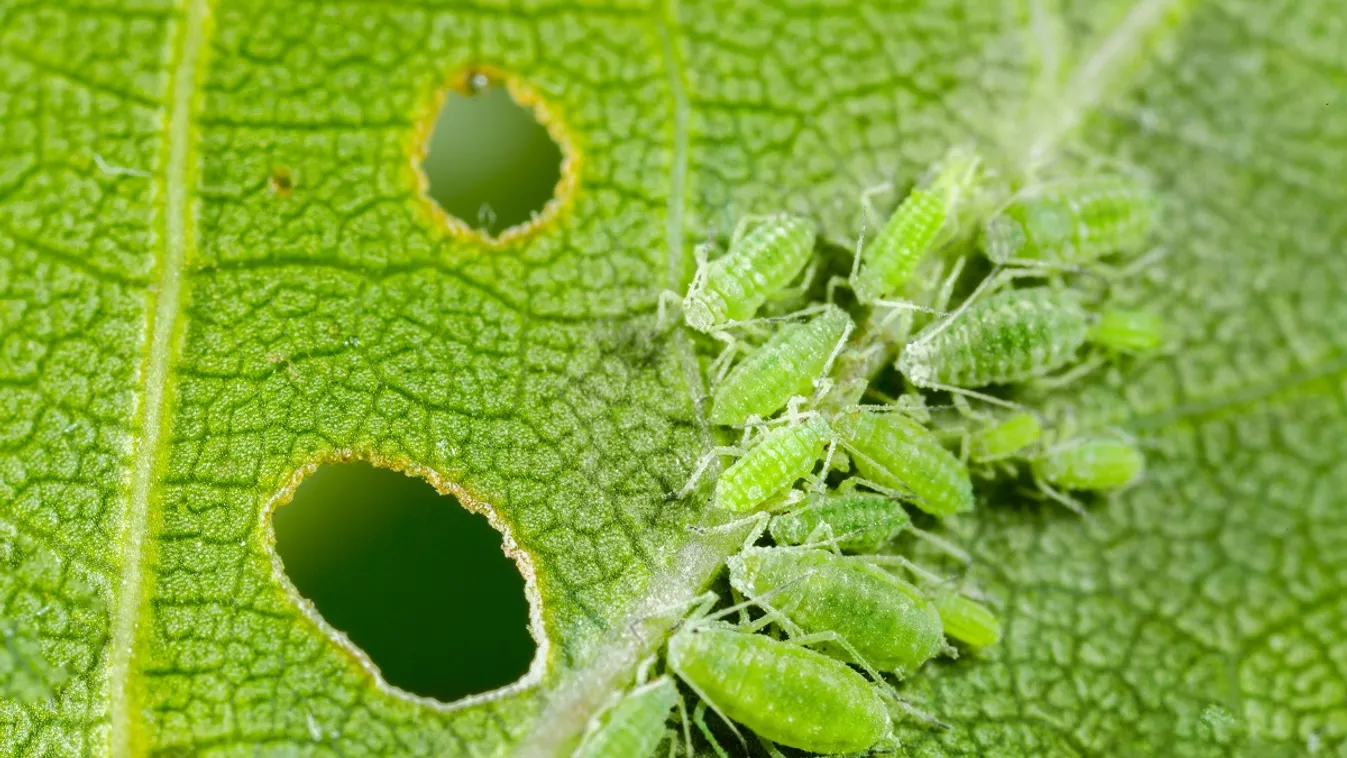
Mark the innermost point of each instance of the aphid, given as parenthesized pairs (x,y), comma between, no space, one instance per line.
(859,522)
(784,692)
(766,253)
(785,367)
(1010,336)
(1005,438)
(635,726)
(1128,331)
(883,621)
(1072,222)
(899,454)
(773,464)
(1099,464)
(967,620)
(890,260)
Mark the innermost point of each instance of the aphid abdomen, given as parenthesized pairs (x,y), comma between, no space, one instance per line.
(784,367)
(1112,215)
(913,229)
(898,453)
(1005,438)
(776,462)
(785,693)
(1092,463)
(889,622)
(901,245)
(761,264)
(967,620)
(1074,222)
(1009,337)
(635,726)
(859,522)
(1128,331)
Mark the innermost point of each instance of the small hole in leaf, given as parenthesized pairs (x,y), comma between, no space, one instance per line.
(414,579)
(490,163)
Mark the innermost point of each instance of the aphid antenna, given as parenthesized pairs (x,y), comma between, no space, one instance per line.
(904,305)
(686,725)
(760,602)
(917,713)
(942,544)
(993,279)
(770,747)
(711,456)
(929,577)
(788,318)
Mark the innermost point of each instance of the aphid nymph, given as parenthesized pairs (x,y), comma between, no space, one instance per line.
(765,254)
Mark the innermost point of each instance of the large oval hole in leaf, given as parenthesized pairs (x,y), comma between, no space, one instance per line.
(489,162)
(414,579)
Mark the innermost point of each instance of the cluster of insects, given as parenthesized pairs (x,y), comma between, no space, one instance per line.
(854,409)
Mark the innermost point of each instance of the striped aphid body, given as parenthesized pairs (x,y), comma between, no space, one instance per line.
(1011,336)
(880,620)
(778,459)
(913,229)
(784,692)
(1095,463)
(786,366)
(897,453)
(1120,330)
(1073,222)
(761,261)
(1006,438)
(856,521)
(635,726)
(967,620)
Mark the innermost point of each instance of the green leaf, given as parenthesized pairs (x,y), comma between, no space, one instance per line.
(179,340)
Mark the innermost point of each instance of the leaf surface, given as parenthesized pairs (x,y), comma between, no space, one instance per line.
(179,340)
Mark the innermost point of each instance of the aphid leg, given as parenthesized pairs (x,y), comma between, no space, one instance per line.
(852,653)
(905,305)
(770,747)
(700,471)
(929,577)
(1070,502)
(801,289)
(1075,373)
(699,716)
(942,544)
(911,710)
(667,299)
(685,722)
(822,534)
(823,384)
(957,393)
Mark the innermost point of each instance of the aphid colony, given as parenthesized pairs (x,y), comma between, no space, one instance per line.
(830,615)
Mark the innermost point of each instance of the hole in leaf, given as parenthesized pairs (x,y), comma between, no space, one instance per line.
(490,163)
(412,577)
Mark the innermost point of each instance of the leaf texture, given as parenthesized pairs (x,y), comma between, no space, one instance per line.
(179,341)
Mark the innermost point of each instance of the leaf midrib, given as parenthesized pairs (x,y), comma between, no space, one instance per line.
(174,226)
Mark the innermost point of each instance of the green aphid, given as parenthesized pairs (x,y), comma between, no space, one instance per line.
(1096,464)
(1011,336)
(1073,222)
(777,460)
(855,521)
(766,253)
(1128,331)
(898,454)
(858,522)
(786,366)
(967,620)
(782,691)
(879,619)
(636,725)
(890,260)
(1006,438)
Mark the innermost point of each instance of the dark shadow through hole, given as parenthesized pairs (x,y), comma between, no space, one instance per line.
(489,161)
(414,579)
